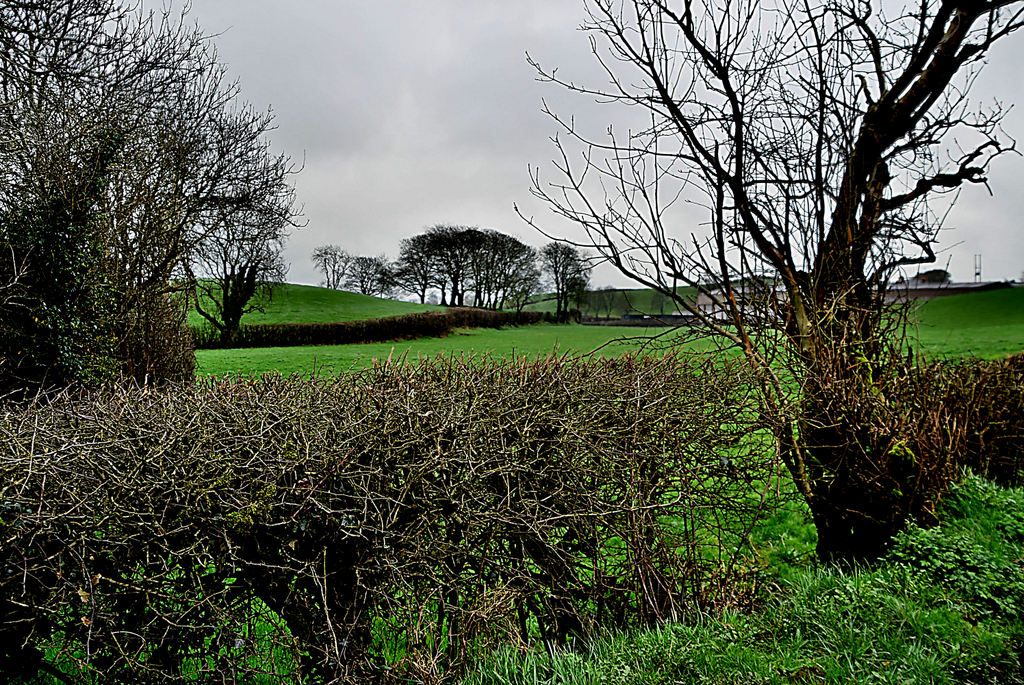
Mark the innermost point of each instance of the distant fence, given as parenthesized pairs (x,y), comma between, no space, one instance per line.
(904,292)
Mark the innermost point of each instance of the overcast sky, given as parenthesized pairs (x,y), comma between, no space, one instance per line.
(408,113)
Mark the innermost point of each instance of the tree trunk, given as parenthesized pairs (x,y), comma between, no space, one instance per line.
(861,490)
(856,509)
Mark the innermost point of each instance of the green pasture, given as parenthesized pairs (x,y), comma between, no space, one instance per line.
(989,324)
(528,341)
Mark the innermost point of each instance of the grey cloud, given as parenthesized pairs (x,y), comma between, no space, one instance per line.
(409,113)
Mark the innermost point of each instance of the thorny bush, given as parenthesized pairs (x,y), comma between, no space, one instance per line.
(905,433)
(381,526)
(984,402)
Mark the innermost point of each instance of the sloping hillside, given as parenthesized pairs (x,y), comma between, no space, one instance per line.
(310,304)
(987,324)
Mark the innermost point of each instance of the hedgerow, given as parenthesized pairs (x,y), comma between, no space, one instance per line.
(381,526)
(986,402)
(404,327)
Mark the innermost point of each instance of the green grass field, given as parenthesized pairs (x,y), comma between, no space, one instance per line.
(944,606)
(529,341)
(989,325)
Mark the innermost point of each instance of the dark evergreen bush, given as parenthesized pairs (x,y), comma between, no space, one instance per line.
(55,303)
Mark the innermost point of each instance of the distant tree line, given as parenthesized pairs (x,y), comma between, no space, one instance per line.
(462,265)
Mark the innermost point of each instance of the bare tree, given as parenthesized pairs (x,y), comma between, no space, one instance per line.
(501,264)
(124,150)
(568,273)
(525,286)
(239,261)
(453,248)
(370,276)
(607,300)
(601,301)
(810,137)
(416,269)
(333,262)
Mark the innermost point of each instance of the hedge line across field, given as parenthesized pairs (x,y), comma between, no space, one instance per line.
(405,327)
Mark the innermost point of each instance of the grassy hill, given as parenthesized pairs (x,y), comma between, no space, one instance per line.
(988,324)
(310,304)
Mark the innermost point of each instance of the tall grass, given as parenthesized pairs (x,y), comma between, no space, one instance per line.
(945,606)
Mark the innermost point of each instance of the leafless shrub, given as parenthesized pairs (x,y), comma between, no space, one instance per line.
(917,427)
(379,526)
(155,341)
(985,403)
